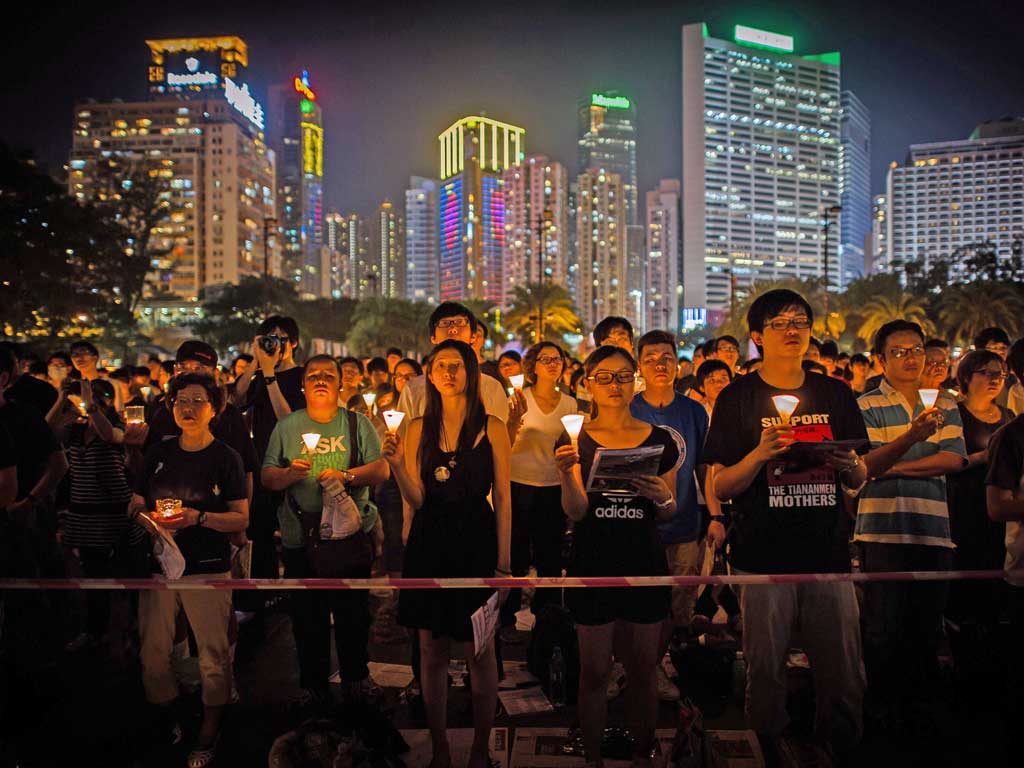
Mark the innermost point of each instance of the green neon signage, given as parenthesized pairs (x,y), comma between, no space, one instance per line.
(306,106)
(760,38)
(612,102)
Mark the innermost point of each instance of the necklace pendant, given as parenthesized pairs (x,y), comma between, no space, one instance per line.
(452,463)
(441,474)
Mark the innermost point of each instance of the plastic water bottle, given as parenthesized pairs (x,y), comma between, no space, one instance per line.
(556,678)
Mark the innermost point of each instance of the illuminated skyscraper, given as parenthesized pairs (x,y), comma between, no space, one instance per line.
(474,152)
(421,242)
(854,186)
(536,193)
(388,244)
(333,223)
(295,132)
(606,138)
(358,279)
(877,249)
(760,140)
(664,290)
(202,132)
(601,238)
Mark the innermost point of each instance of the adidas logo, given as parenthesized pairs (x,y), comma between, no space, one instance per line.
(620,511)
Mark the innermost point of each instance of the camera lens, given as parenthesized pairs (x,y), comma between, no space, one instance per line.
(269,344)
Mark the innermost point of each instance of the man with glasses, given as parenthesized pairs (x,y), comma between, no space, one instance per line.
(687,422)
(903,525)
(790,518)
(726,349)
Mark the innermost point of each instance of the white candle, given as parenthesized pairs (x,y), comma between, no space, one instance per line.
(311,439)
(369,398)
(393,420)
(573,424)
(785,405)
(517,381)
(928,397)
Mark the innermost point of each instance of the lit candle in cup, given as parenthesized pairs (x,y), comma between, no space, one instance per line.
(573,424)
(517,381)
(393,420)
(785,405)
(79,404)
(135,414)
(311,439)
(146,391)
(928,397)
(168,508)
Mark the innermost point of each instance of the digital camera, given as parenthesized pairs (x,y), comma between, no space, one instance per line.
(270,344)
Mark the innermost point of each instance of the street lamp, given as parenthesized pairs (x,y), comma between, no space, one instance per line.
(835,211)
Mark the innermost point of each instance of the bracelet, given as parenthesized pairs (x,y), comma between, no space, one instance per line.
(664,504)
(268,380)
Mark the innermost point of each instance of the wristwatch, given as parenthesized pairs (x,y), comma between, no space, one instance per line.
(201,518)
(665,504)
(268,380)
(347,476)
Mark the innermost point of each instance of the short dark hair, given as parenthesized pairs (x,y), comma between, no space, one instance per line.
(973,362)
(1015,358)
(707,368)
(829,349)
(859,359)
(511,354)
(448,309)
(247,358)
(215,393)
(604,328)
(747,365)
(88,346)
(124,373)
(377,364)
(286,324)
(813,342)
(936,344)
(894,326)
(322,359)
(412,363)
(530,361)
(168,366)
(354,360)
(729,339)
(771,303)
(991,336)
(393,351)
(651,338)
(812,366)
(64,357)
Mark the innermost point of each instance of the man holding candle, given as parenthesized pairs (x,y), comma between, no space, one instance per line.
(903,522)
(790,518)
(305,476)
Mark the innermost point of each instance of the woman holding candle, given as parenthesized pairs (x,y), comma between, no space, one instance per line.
(445,466)
(538,523)
(207,475)
(617,536)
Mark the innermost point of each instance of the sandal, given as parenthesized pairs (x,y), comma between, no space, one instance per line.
(201,758)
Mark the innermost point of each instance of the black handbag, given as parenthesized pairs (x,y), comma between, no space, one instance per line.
(351,557)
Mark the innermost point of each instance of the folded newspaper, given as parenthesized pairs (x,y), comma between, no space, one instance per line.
(614,468)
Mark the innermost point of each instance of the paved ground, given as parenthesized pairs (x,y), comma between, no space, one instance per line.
(86,709)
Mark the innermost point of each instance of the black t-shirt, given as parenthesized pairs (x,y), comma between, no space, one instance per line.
(34,442)
(258,399)
(229,427)
(30,390)
(791,518)
(8,458)
(619,534)
(205,480)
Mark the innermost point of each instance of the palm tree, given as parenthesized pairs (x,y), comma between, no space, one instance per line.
(884,309)
(560,318)
(964,310)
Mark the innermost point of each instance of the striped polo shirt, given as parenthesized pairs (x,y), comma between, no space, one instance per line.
(907,510)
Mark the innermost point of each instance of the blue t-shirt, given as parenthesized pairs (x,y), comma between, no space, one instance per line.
(687,422)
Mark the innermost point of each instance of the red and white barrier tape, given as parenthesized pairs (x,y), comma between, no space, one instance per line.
(199,583)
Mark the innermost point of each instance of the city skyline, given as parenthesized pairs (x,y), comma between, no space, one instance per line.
(382,136)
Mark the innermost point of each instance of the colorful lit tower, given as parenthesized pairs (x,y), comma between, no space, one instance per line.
(474,153)
(296,134)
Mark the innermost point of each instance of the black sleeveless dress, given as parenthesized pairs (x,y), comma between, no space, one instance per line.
(454,534)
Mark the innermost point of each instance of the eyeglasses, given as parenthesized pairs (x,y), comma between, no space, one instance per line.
(453,322)
(938,364)
(729,348)
(785,323)
(190,402)
(992,375)
(665,361)
(604,378)
(549,359)
(452,369)
(898,353)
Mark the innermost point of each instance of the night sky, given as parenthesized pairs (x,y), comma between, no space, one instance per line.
(390,77)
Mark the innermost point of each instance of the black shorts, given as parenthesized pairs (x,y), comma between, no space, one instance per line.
(593,606)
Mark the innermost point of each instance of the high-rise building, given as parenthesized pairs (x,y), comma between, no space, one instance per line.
(636,276)
(353,263)
(606,138)
(876,248)
(854,185)
(475,151)
(601,237)
(295,131)
(388,243)
(760,163)
(201,132)
(664,289)
(956,194)
(421,242)
(333,223)
(536,223)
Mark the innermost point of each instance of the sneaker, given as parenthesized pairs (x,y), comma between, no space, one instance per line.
(667,690)
(617,681)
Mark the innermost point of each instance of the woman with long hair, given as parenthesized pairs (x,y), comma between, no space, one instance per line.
(616,535)
(445,466)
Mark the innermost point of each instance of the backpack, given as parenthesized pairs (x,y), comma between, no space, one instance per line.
(555,626)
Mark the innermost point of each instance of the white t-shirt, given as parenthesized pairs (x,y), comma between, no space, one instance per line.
(533,459)
(413,400)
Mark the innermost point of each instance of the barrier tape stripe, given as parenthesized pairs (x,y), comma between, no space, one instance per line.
(573,582)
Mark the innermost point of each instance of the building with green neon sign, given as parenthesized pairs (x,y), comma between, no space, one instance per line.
(611,102)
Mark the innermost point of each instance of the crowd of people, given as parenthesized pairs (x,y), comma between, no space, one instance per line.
(267,467)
